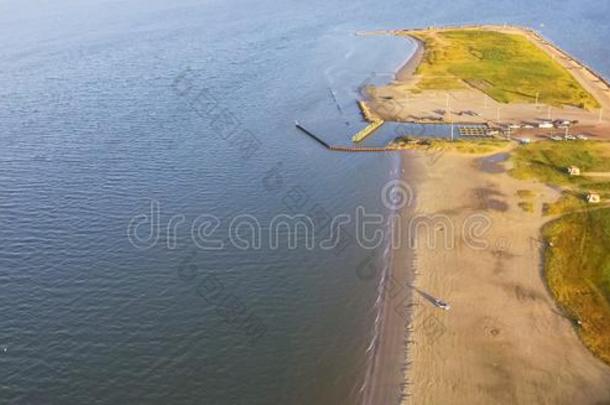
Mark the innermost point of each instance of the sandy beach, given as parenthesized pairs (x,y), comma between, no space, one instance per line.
(503,340)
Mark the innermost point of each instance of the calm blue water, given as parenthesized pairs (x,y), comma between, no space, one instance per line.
(108,107)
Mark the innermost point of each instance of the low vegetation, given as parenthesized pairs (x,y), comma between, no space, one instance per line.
(526,206)
(568,202)
(578,273)
(548,162)
(525,193)
(469,146)
(507,67)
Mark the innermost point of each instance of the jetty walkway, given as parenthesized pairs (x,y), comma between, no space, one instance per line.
(341,148)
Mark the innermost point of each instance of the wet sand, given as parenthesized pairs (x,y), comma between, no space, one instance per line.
(503,341)
(388,373)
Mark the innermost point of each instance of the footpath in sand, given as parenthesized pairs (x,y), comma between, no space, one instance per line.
(503,341)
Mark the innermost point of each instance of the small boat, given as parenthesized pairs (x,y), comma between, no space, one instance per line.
(442,304)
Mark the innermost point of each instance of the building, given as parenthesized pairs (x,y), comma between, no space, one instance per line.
(573,171)
(593,198)
(545,125)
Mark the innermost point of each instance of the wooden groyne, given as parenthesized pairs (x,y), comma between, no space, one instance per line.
(340,148)
(320,141)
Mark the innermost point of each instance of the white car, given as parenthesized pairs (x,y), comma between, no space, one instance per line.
(525,141)
(582,137)
(556,138)
(569,138)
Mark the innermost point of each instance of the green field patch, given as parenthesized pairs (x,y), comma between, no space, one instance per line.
(507,67)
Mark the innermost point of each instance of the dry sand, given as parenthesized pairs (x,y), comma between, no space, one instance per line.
(503,341)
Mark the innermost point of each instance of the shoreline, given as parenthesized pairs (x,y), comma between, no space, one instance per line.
(389,363)
(407,69)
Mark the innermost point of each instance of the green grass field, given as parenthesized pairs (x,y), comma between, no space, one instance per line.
(507,67)
(547,162)
(578,273)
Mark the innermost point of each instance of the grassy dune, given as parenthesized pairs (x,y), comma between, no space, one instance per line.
(507,67)
(578,273)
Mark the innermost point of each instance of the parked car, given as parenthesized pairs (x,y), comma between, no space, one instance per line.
(582,137)
(569,138)
(556,138)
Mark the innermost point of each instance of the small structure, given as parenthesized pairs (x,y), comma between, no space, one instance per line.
(593,198)
(525,141)
(573,171)
(545,125)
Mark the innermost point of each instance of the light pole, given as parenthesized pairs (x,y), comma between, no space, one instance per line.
(452,130)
